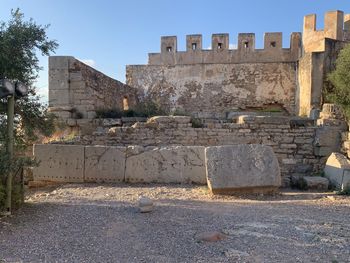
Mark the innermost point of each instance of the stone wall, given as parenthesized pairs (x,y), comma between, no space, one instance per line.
(208,90)
(213,82)
(77,90)
(313,70)
(77,163)
(301,146)
(221,53)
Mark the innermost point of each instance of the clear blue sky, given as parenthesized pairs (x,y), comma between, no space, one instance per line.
(111,34)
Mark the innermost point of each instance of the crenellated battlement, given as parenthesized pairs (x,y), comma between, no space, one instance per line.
(336,26)
(220,51)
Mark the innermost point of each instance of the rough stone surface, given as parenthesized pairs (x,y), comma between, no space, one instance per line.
(316,183)
(337,170)
(216,87)
(145,204)
(104,163)
(63,163)
(175,164)
(237,168)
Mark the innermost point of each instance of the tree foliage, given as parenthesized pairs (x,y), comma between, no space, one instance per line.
(340,79)
(20,42)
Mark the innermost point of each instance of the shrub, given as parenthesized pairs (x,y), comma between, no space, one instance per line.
(179,112)
(109,113)
(339,93)
(345,191)
(149,108)
(197,123)
(146,108)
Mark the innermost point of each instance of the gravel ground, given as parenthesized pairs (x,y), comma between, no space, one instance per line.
(101,223)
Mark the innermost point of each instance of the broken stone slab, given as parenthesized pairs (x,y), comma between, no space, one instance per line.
(247,168)
(170,164)
(104,163)
(337,170)
(59,163)
(315,183)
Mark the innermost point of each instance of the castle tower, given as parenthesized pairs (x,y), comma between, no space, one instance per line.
(314,40)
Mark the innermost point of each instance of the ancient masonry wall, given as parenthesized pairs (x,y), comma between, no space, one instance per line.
(220,80)
(301,146)
(78,163)
(77,90)
(320,50)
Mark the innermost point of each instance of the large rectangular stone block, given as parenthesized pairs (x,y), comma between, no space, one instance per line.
(59,62)
(104,163)
(337,170)
(242,168)
(61,163)
(171,164)
(58,97)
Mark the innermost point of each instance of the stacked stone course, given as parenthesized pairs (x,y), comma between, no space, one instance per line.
(292,139)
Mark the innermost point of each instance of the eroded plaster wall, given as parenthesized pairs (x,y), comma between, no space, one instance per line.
(217,88)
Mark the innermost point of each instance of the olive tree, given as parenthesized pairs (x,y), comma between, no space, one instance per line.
(20,43)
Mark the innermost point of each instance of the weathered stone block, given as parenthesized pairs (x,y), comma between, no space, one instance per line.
(323,150)
(242,168)
(61,163)
(337,170)
(172,164)
(58,97)
(315,183)
(104,163)
(111,122)
(71,122)
(59,62)
(182,119)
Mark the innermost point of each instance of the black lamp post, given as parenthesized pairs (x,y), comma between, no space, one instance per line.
(10,89)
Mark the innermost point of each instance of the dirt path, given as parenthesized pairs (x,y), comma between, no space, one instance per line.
(91,223)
